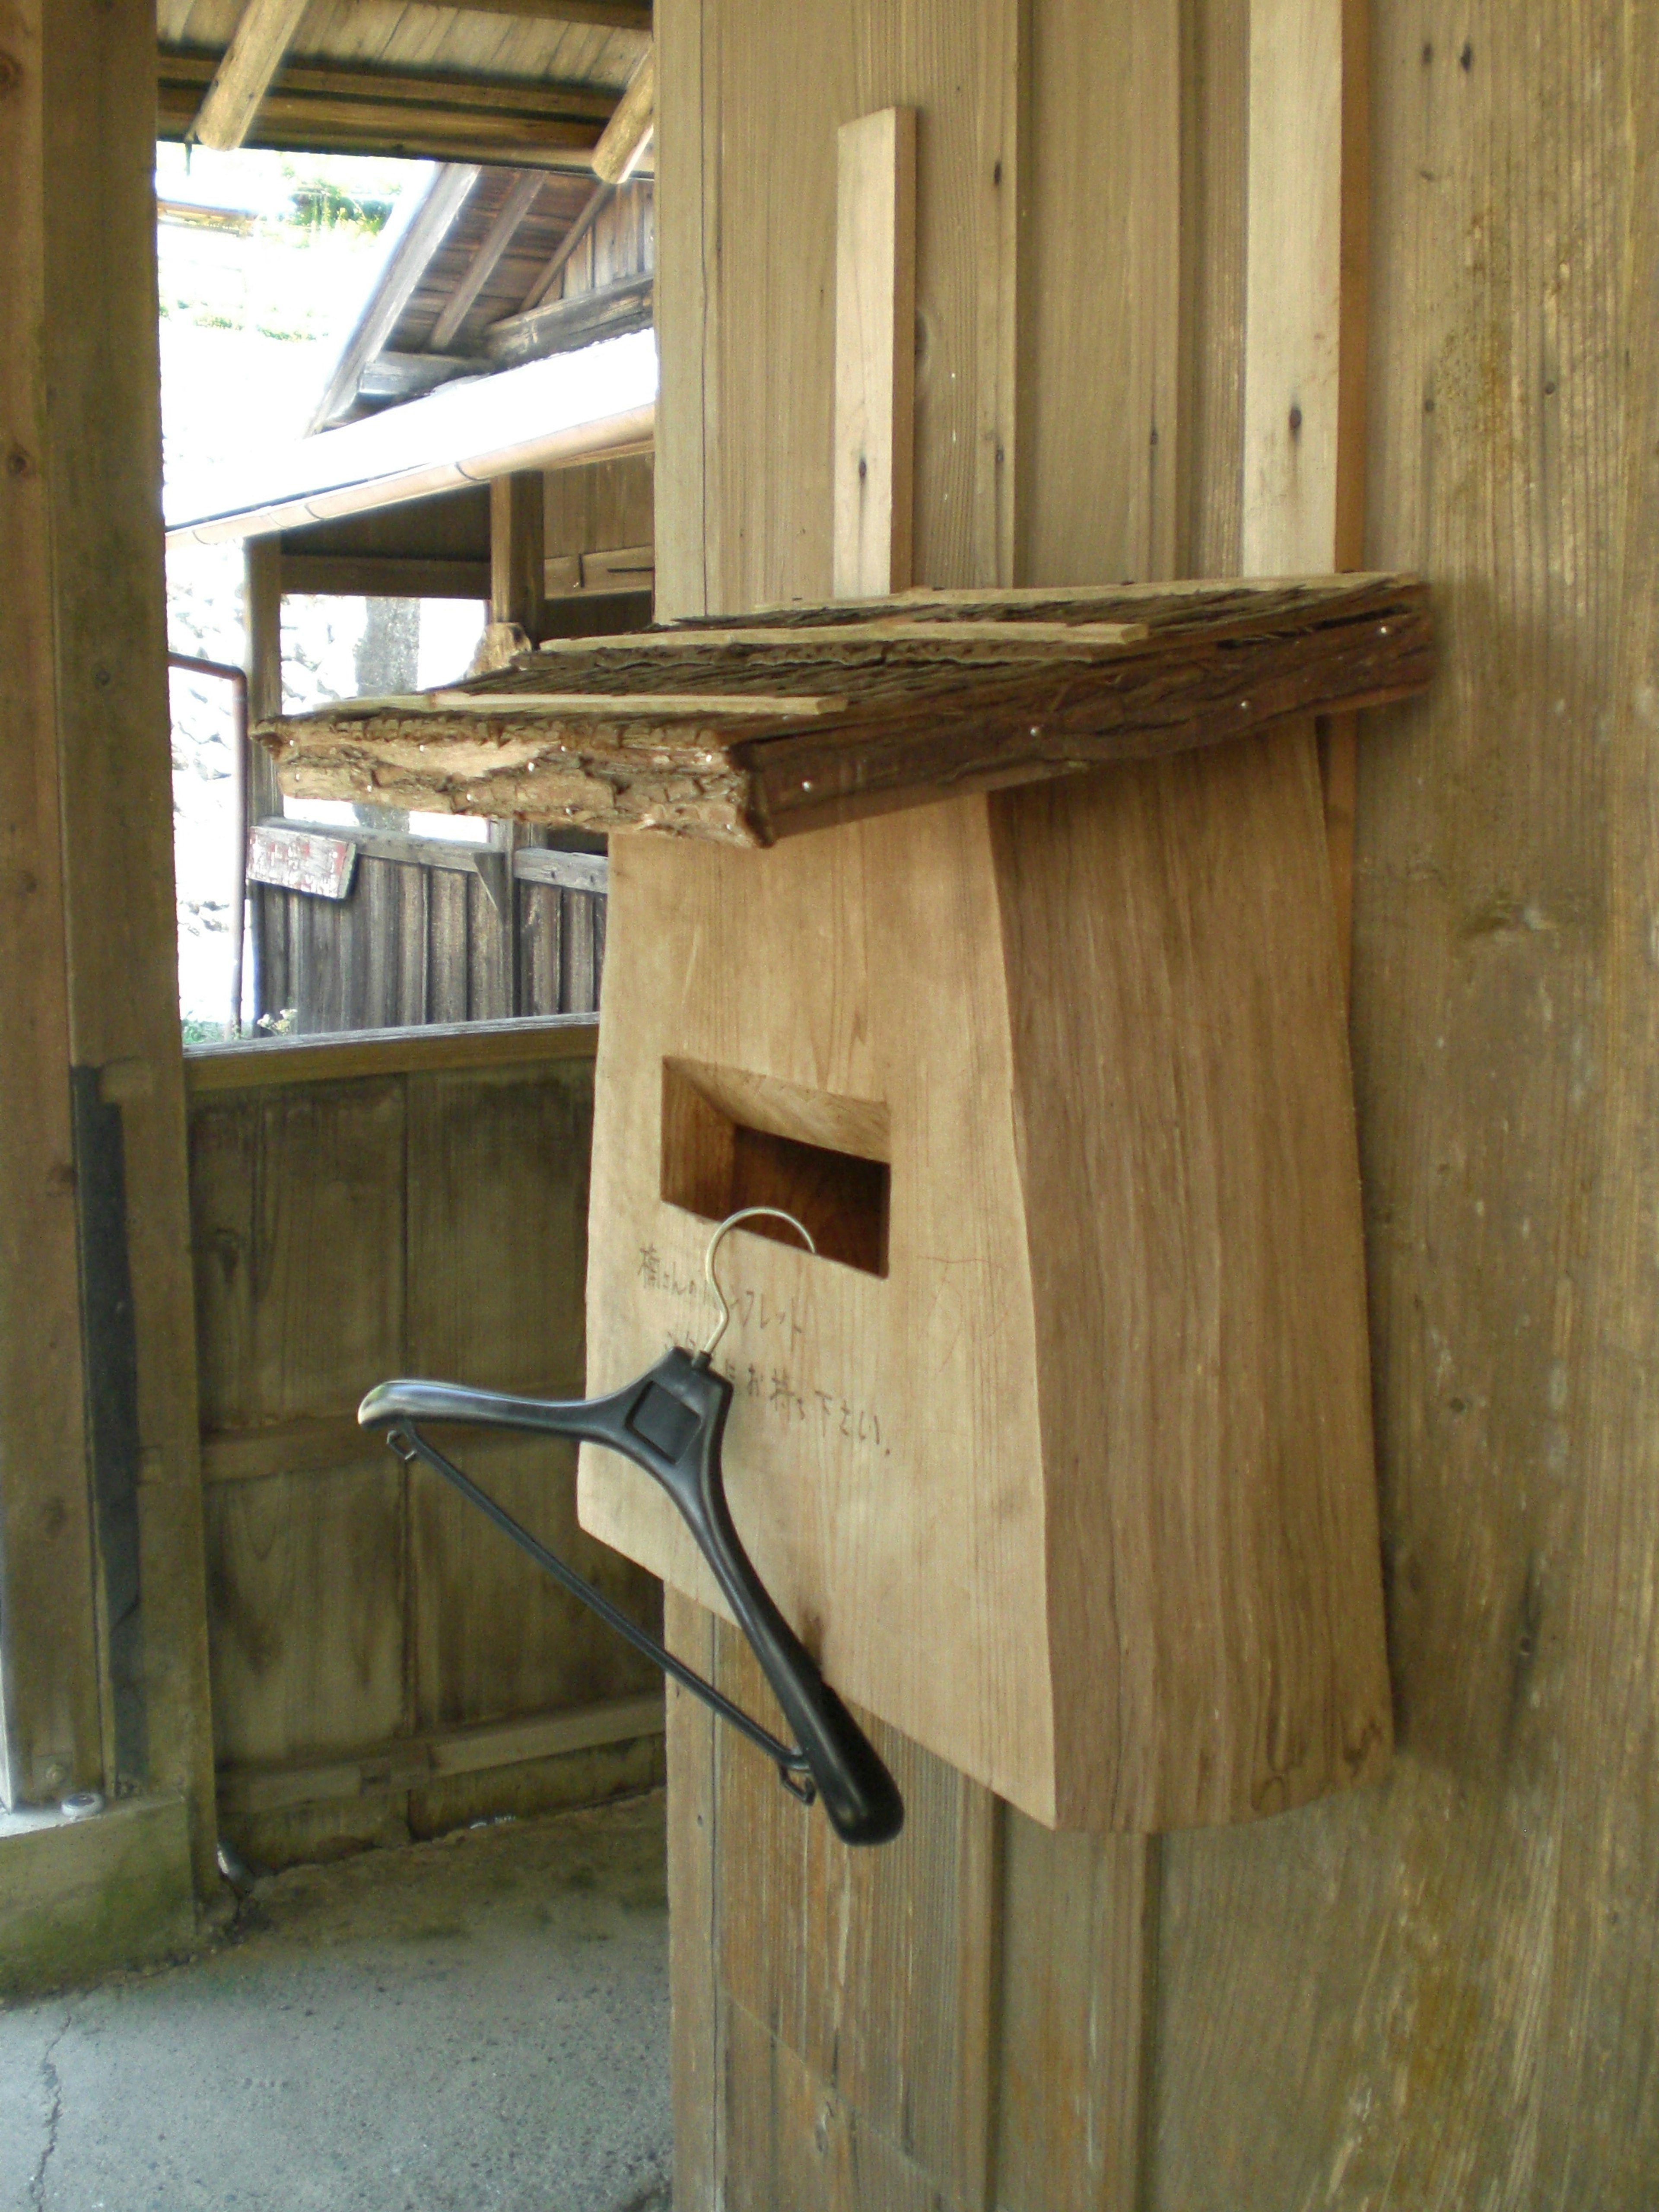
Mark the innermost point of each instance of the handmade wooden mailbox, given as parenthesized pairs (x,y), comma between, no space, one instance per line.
(1057,1455)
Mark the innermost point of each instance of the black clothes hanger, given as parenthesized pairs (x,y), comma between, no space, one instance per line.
(670,1421)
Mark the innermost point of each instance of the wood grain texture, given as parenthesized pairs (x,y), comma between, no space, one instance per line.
(874,457)
(1462,2023)
(84,433)
(1214,1281)
(49,1682)
(1305,327)
(380,1213)
(1101,325)
(244,74)
(746,735)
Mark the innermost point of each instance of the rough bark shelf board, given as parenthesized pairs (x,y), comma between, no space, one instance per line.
(695,728)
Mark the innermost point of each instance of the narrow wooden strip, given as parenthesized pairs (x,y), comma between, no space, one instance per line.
(412,1763)
(382,576)
(875,353)
(262,1062)
(999,636)
(631,706)
(508,99)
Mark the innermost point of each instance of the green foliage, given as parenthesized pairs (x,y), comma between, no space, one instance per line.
(319,203)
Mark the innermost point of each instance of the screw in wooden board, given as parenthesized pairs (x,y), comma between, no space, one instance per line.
(11,73)
(1296,421)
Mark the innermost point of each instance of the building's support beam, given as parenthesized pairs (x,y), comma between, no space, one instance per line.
(628,134)
(345,107)
(608,14)
(411,375)
(243,77)
(610,312)
(482,268)
(94,1452)
(385,576)
(428,228)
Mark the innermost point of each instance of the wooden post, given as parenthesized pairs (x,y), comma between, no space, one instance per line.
(88,985)
(49,1715)
(516,551)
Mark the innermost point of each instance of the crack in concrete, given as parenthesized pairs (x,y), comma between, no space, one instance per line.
(54,2089)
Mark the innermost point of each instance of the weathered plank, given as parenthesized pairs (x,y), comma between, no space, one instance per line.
(710,736)
(49,1698)
(1440,1996)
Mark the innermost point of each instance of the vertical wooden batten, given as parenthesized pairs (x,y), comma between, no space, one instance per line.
(873,475)
(1306,258)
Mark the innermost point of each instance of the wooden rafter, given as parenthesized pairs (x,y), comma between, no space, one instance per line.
(628,134)
(813,717)
(445,197)
(482,267)
(243,77)
(325,107)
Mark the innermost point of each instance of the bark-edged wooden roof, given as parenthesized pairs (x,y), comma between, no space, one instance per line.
(749,731)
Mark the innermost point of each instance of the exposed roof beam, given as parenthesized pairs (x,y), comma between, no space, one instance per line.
(573,238)
(243,77)
(427,230)
(628,132)
(608,312)
(611,14)
(482,267)
(357,108)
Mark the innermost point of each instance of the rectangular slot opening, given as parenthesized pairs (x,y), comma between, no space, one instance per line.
(731,1140)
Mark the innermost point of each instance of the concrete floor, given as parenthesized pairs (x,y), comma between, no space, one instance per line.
(479,2023)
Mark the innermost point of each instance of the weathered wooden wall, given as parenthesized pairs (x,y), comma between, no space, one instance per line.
(1438,1992)
(415,944)
(384,1662)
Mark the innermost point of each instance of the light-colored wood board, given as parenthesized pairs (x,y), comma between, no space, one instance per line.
(49,1698)
(872,473)
(239,83)
(1101,279)
(309,1586)
(1305,311)
(1468,1954)
(298,1203)
(1190,1177)
(1305,322)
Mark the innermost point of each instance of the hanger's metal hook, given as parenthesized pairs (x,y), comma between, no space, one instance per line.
(745,1214)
